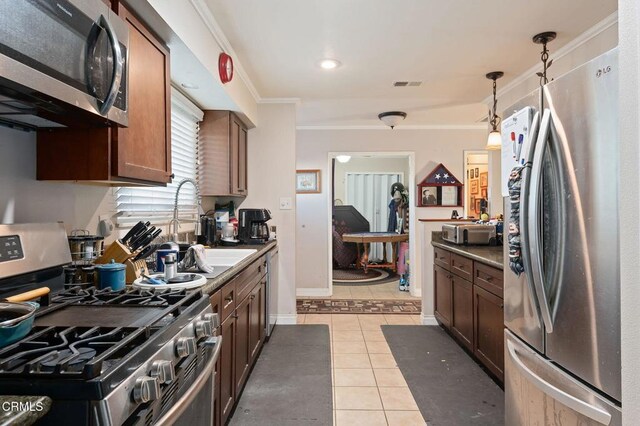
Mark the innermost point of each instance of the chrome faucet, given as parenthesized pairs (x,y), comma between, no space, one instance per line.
(175,222)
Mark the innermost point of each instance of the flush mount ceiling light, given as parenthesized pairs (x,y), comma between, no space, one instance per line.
(329,64)
(392,118)
(494,140)
(343,158)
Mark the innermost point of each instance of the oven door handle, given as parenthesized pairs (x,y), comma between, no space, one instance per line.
(118,65)
(171,416)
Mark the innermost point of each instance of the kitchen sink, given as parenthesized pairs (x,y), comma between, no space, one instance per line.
(227,257)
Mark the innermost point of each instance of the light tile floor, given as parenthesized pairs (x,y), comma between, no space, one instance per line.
(370,291)
(368,387)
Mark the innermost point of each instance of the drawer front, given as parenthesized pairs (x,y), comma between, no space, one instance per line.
(216,299)
(442,258)
(247,279)
(462,266)
(228,299)
(488,278)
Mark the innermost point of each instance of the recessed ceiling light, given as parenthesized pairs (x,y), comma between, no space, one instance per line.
(189,85)
(329,64)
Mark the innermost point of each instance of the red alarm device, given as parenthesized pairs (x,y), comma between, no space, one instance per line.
(225,67)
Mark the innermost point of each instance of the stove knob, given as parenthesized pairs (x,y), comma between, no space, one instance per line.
(185,346)
(163,371)
(213,318)
(146,389)
(203,328)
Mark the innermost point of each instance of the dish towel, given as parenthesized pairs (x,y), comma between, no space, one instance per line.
(515,249)
(196,257)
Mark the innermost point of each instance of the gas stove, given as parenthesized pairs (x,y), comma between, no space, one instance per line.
(107,357)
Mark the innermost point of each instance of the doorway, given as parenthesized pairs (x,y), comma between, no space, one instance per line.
(360,202)
(476,197)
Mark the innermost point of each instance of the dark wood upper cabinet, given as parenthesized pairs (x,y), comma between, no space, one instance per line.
(138,154)
(223,154)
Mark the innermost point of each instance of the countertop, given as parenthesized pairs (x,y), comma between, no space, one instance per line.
(488,255)
(30,410)
(215,283)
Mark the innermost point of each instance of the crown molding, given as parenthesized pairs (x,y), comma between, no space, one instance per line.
(572,45)
(215,30)
(296,101)
(400,128)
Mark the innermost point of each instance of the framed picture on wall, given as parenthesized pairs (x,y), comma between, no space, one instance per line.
(449,196)
(473,202)
(429,195)
(471,175)
(477,205)
(474,188)
(483,192)
(477,172)
(308,182)
(484,179)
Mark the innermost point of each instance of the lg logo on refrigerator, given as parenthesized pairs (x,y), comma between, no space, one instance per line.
(603,71)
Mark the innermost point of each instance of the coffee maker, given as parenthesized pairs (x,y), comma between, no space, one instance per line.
(252,226)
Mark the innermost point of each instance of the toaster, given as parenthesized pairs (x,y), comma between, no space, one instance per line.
(469,234)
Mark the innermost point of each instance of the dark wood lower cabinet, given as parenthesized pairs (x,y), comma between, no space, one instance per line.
(227,370)
(442,296)
(243,322)
(256,314)
(471,311)
(462,318)
(489,330)
(243,334)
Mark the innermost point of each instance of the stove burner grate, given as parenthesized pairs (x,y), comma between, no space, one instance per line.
(83,352)
(130,297)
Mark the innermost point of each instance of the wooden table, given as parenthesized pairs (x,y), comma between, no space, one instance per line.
(366,238)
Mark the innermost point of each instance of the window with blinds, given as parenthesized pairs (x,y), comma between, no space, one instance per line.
(156,203)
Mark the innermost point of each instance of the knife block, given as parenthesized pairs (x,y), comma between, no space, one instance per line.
(121,254)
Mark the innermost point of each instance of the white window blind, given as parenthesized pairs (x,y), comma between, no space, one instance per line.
(156,203)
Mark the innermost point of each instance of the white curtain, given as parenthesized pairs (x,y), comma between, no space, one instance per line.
(370,194)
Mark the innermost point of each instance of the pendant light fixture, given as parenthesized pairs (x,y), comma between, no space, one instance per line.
(543,39)
(494,141)
(392,118)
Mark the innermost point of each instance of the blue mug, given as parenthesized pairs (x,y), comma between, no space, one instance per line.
(160,255)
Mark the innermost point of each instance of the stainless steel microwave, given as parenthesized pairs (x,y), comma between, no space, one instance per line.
(60,61)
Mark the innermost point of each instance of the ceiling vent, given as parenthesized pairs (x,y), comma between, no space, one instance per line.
(406,83)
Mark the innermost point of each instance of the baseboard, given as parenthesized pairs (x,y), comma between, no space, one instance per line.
(313,292)
(429,320)
(286,319)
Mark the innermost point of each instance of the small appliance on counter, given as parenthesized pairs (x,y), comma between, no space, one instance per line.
(253,228)
(469,234)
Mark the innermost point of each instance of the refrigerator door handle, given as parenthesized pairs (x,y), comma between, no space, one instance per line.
(524,205)
(578,405)
(533,222)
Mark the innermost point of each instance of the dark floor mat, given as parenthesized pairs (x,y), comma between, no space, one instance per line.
(448,386)
(291,381)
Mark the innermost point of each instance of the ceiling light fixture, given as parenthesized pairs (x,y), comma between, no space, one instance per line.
(494,141)
(392,118)
(543,39)
(329,64)
(343,158)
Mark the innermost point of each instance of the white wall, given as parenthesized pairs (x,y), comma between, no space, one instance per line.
(24,199)
(313,146)
(629,207)
(271,174)
(367,165)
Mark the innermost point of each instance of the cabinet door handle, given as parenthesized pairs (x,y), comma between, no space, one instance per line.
(488,278)
(253,296)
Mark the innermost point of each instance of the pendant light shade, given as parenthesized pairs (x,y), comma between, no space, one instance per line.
(494,141)
(392,118)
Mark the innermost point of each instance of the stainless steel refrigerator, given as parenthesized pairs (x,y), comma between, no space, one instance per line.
(562,315)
